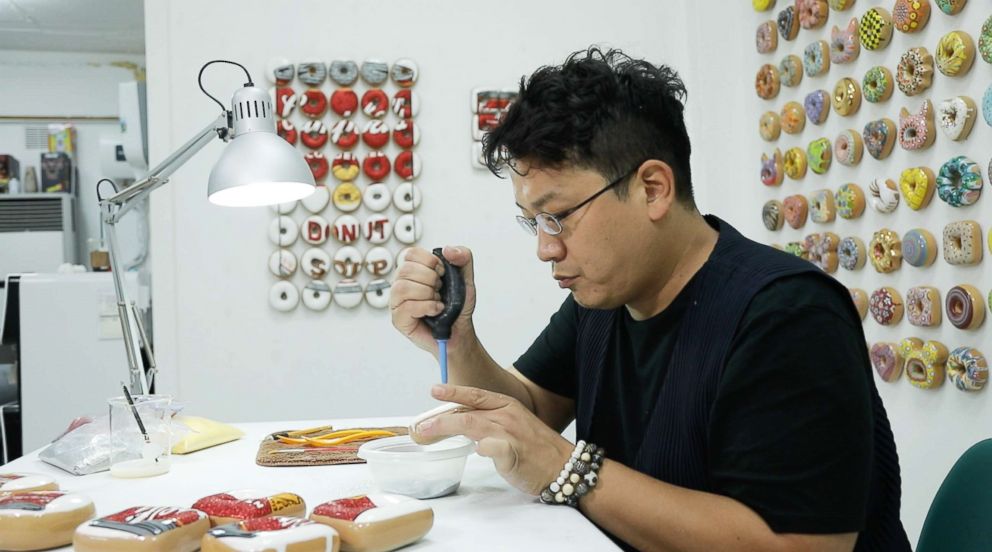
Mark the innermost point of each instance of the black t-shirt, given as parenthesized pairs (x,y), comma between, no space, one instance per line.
(790,430)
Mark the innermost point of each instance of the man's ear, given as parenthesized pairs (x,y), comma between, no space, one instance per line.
(659,187)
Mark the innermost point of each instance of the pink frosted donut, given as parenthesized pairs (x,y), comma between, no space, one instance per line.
(812,13)
(923,306)
(886,360)
(848,148)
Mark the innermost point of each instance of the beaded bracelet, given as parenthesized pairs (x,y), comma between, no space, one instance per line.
(577,478)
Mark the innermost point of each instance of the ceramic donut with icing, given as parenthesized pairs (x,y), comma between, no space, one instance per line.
(347,197)
(348,294)
(317,163)
(287,131)
(406,134)
(343,73)
(916,130)
(860,299)
(917,186)
(796,210)
(923,306)
(344,102)
(408,229)
(377,293)
(345,167)
(376,166)
(766,38)
(406,104)
(886,360)
(762,5)
(315,263)
(376,522)
(816,58)
(26,482)
(772,169)
(956,117)
(886,306)
(812,13)
(282,263)
(925,362)
(848,148)
(817,106)
(376,197)
(375,134)
(407,165)
(285,100)
(377,228)
(967,369)
(407,197)
(985,40)
(772,215)
(245,504)
(793,118)
(375,103)
(951,7)
(374,72)
(313,103)
(875,28)
(38,520)
(283,296)
(821,206)
(987,105)
(346,229)
(344,135)
(314,134)
(884,195)
(847,97)
(845,45)
(283,231)
(963,243)
(316,295)
(790,70)
(379,261)
(275,533)
(821,250)
(877,84)
(312,73)
(144,528)
(959,182)
(919,248)
(965,307)
(879,137)
(851,254)
(280,71)
(955,53)
(910,16)
(840,5)
(885,251)
(404,72)
(850,201)
(914,74)
(788,23)
(819,154)
(797,249)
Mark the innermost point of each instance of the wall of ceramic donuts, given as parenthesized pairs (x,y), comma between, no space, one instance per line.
(354,122)
(874,123)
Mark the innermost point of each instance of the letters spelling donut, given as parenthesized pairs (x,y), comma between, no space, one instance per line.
(925,363)
(852,254)
(885,305)
(965,307)
(910,16)
(885,251)
(860,299)
(919,248)
(344,135)
(886,360)
(788,23)
(376,134)
(884,195)
(375,102)
(955,53)
(376,166)
(959,182)
(923,306)
(377,228)
(406,134)
(845,45)
(313,103)
(317,163)
(314,135)
(879,137)
(963,243)
(407,165)
(772,169)
(917,187)
(344,102)
(288,132)
(967,369)
(916,131)
(875,28)
(343,73)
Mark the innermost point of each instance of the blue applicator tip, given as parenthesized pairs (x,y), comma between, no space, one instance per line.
(442,350)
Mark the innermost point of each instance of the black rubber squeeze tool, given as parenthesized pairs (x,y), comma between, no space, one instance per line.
(453,297)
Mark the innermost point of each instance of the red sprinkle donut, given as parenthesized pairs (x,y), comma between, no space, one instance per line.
(344,135)
(285,101)
(313,134)
(313,104)
(407,165)
(286,129)
(318,164)
(344,102)
(406,104)
(375,102)
(376,134)
(406,134)
(376,166)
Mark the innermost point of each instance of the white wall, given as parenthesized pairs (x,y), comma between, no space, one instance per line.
(222,349)
(932,428)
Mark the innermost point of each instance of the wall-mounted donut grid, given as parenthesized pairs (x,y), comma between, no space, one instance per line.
(354,124)
(488,107)
(811,48)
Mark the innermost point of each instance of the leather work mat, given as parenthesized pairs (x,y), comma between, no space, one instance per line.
(273,453)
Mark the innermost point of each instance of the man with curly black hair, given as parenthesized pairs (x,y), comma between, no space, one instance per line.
(721,389)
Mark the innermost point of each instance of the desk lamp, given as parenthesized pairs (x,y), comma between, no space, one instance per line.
(257,167)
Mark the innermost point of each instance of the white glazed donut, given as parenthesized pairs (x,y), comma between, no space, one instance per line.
(24,482)
(272,533)
(407,197)
(348,294)
(408,229)
(346,229)
(314,230)
(284,208)
(376,197)
(39,520)
(377,293)
(144,528)
(316,295)
(283,296)
(283,231)
(404,72)
(279,71)
(348,261)
(378,228)
(315,263)
(378,261)
(317,201)
(282,263)
(956,116)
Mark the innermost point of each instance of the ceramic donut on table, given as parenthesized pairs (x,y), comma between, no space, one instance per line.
(886,306)
(404,72)
(860,300)
(314,134)
(16,482)
(318,165)
(919,248)
(283,296)
(925,363)
(282,263)
(772,216)
(407,197)
(849,148)
(914,74)
(316,295)
(955,53)
(275,533)
(917,185)
(346,229)
(959,182)
(407,165)
(875,28)
(956,117)
(963,243)
(344,134)
(885,251)
(144,529)
(344,102)
(280,71)
(314,230)
(315,263)
(313,103)
(886,360)
(850,201)
(788,23)
(379,261)
(845,44)
(39,520)
(376,197)
(374,71)
(817,106)
(910,16)
(347,197)
(408,229)
(884,195)
(311,72)
(772,169)
(816,58)
(877,84)
(377,293)
(406,134)
(374,103)
(376,522)
(851,254)
(923,306)
(243,504)
(287,131)
(348,294)
(317,200)
(375,134)
(377,228)
(796,208)
(283,231)
(965,307)
(343,72)
(879,137)
(790,70)
(967,369)
(406,104)
(767,82)
(345,167)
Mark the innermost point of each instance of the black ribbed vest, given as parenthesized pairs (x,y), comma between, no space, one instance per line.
(674,449)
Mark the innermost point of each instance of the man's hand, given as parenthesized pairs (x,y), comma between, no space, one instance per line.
(525,451)
(414,295)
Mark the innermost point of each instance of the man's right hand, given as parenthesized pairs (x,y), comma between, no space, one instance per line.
(414,295)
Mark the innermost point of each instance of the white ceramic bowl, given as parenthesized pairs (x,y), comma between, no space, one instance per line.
(422,471)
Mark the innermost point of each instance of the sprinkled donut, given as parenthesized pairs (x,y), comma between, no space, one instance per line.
(769,126)
(793,118)
(796,248)
(404,71)
(766,82)
(313,134)
(819,155)
(885,306)
(879,137)
(821,206)
(313,103)
(845,45)
(959,182)
(956,117)
(919,248)
(794,163)
(884,195)
(885,251)
(344,102)
(772,169)
(847,97)
(914,74)
(951,7)
(766,37)
(848,148)
(850,201)
(796,208)
(407,165)
(987,105)
(955,53)
(923,306)
(860,299)
(790,70)
(812,13)
(788,23)
(985,41)
(317,163)
(917,185)
(886,361)
(875,28)
(817,106)
(374,72)
(840,5)
(916,131)
(288,132)
(877,84)
(375,103)
(406,134)
(821,250)
(772,215)
(345,166)
(852,254)
(375,134)
(967,369)
(963,243)
(406,104)
(376,166)
(816,58)
(312,73)
(925,362)
(285,100)
(344,73)
(965,307)
(344,135)
(910,16)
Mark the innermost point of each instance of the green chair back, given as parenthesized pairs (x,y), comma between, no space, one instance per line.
(958,519)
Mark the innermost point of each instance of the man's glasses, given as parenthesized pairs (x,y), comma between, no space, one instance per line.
(550,223)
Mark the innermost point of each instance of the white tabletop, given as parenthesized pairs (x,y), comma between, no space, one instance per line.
(484,514)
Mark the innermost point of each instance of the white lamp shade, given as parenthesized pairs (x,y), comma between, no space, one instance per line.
(259,168)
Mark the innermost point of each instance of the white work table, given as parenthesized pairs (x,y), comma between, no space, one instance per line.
(484,514)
